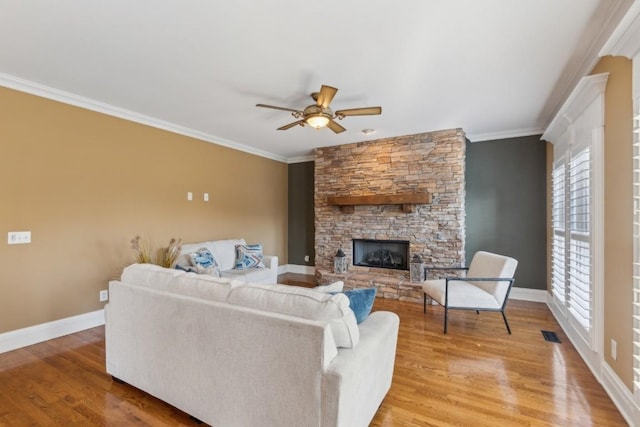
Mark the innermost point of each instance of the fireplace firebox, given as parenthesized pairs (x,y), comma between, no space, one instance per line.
(393,254)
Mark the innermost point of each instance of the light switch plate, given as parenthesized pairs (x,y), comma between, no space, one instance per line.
(18,237)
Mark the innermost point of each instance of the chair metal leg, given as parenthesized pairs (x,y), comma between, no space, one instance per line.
(505,322)
(445,319)
(424,304)
(477,311)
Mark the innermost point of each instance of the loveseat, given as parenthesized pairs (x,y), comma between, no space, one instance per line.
(224,252)
(232,353)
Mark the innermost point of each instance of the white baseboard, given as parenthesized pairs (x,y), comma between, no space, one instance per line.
(526,294)
(299,269)
(622,397)
(46,331)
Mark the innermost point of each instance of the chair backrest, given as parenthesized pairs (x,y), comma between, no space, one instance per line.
(487,264)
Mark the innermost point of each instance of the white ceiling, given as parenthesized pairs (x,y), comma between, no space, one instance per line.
(495,68)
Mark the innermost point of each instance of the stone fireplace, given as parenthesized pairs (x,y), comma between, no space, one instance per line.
(409,188)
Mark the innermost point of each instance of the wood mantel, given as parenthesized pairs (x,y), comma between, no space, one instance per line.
(407,200)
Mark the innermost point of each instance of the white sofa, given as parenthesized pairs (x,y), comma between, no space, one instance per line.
(224,252)
(232,353)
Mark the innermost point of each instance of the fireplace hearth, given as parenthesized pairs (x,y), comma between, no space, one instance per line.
(393,254)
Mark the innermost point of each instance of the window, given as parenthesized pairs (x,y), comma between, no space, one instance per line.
(576,300)
(571,282)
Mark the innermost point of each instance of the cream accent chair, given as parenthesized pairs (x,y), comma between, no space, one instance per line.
(485,287)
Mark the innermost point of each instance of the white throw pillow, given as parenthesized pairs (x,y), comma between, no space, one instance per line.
(333,287)
(305,303)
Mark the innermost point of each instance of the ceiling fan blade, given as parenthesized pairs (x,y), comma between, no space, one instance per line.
(335,127)
(367,111)
(326,96)
(278,108)
(290,125)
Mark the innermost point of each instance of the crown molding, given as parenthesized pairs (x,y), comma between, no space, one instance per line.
(625,39)
(47,92)
(585,56)
(300,159)
(504,135)
(585,93)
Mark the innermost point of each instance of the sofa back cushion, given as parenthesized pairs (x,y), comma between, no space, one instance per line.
(224,252)
(179,282)
(305,303)
(203,286)
(150,275)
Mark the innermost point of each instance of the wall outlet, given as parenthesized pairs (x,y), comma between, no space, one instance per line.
(18,237)
(614,349)
(104,295)
(205,197)
(189,196)
(306,258)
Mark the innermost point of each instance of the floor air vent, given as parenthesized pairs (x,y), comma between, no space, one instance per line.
(550,336)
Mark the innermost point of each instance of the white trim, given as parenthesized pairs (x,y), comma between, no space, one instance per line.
(620,395)
(526,294)
(47,331)
(43,91)
(517,133)
(522,294)
(301,159)
(586,91)
(298,269)
(591,358)
(624,39)
(597,234)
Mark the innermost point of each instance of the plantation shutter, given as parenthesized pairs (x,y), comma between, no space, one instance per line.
(558,223)
(579,250)
(571,283)
(636,249)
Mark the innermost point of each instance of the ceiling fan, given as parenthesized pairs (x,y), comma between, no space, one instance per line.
(319,115)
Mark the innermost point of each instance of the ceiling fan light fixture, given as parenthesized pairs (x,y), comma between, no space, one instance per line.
(317,121)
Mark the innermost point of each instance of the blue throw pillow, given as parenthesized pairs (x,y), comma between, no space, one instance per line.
(360,301)
(204,262)
(249,256)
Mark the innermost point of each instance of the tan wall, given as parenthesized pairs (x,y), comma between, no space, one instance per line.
(618,215)
(85,183)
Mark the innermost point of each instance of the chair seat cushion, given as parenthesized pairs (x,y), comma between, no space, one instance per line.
(461,294)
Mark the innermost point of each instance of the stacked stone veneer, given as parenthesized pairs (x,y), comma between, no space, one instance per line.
(430,162)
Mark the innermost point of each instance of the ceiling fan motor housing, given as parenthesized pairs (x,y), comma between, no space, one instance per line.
(316,110)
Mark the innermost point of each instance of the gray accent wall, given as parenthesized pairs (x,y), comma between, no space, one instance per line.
(301,227)
(506,204)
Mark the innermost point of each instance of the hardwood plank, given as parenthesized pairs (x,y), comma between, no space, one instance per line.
(476,375)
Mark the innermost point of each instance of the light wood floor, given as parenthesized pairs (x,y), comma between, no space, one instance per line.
(476,375)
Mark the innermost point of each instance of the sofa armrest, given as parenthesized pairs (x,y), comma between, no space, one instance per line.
(270,261)
(359,378)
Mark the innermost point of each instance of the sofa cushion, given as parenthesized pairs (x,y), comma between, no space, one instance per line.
(250,275)
(305,303)
(203,286)
(150,275)
(467,294)
(249,256)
